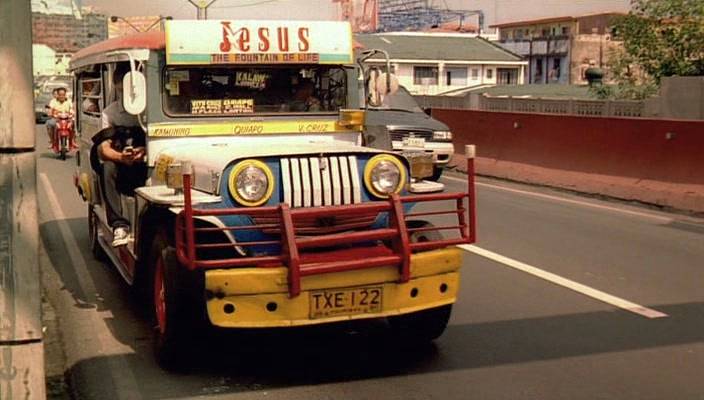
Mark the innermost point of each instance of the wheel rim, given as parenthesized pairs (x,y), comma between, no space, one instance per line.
(160,296)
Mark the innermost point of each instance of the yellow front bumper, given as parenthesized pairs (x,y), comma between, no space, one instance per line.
(244,298)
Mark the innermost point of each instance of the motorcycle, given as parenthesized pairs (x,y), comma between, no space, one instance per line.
(62,141)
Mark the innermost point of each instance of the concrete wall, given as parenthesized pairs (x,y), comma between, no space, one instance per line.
(681,97)
(653,161)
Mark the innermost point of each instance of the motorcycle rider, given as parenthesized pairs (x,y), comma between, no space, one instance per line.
(59,104)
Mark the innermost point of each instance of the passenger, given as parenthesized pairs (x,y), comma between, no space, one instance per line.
(121,147)
(59,104)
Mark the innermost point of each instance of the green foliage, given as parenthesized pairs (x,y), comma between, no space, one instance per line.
(660,38)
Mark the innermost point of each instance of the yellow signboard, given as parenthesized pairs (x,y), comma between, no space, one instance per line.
(248,128)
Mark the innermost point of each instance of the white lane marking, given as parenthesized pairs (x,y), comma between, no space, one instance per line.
(567,283)
(564,200)
(121,373)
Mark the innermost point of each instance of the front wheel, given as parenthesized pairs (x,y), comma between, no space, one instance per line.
(421,326)
(95,247)
(63,147)
(174,306)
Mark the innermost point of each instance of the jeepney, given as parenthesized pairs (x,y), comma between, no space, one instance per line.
(262,208)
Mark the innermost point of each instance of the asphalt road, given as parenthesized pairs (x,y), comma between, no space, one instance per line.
(580,299)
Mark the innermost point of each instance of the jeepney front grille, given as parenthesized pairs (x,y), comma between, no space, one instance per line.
(399,134)
(320,181)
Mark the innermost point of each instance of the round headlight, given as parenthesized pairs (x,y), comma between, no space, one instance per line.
(251,183)
(384,175)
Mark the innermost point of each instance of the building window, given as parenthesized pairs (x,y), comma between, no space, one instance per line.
(425,76)
(507,76)
(475,74)
(554,73)
(456,76)
(489,73)
(538,70)
(565,30)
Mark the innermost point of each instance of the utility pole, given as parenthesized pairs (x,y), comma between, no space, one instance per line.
(202,7)
(21,347)
(16,94)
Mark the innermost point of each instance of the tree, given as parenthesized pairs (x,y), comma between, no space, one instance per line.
(660,38)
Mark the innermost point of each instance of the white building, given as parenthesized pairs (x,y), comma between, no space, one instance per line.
(44,59)
(446,63)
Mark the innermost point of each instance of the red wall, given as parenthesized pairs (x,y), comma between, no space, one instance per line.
(630,158)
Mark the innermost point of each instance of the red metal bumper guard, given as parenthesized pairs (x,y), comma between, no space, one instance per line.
(292,247)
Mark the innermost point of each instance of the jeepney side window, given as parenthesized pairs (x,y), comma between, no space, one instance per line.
(231,91)
(91,95)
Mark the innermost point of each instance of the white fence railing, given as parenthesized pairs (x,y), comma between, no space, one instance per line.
(592,108)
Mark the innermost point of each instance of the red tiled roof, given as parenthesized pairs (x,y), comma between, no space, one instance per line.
(147,40)
(454,27)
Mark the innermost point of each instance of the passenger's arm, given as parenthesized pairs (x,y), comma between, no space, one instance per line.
(107,153)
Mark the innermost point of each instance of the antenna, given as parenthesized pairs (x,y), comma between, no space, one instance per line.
(202,6)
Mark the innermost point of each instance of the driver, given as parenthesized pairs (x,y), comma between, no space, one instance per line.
(121,147)
(58,105)
(303,98)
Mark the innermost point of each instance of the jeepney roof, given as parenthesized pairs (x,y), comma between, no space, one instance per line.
(155,40)
(145,41)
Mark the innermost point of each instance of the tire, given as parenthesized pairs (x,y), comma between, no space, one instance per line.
(95,247)
(437,173)
(421,326)
(175,311)
(426,236)
(63,146)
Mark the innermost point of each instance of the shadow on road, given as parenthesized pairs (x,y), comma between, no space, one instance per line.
(231,362)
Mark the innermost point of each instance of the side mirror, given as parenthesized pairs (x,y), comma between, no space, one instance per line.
(134,92)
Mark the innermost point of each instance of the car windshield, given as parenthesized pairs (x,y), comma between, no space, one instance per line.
(227,91)
(401,100)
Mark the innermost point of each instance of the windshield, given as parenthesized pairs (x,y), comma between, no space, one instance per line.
(401,100)
(227,91)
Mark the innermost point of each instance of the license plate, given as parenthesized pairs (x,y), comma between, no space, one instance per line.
(347,301)
(414,142)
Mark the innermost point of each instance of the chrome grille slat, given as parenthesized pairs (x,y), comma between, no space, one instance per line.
(307,182)
(346,185)
(315,175)
(356,189)
(327,184)
(286,180)
(296,178)
(336,186)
